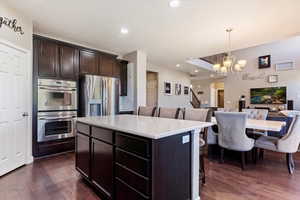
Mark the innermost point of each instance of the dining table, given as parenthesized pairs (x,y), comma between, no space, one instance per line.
(265,125)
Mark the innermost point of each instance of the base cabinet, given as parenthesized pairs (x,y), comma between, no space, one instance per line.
(83,154)
(102,166)
(123,166)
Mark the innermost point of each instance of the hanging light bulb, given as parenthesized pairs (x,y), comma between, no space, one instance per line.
(216,67)
(223,70)
(237,67)
(242,63)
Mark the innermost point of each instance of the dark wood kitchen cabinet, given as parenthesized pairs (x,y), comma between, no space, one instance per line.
(106,65)
(102,175)
(123,78)
(68,62)
(83,154)
(48,54)
(125,166)
(56,61)
(88,62)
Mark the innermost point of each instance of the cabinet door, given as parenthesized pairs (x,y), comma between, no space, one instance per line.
(102,166)
(123,78)
(88,62)
(107,64)
(47,59)
(117,69)
(83,154)
(68,62)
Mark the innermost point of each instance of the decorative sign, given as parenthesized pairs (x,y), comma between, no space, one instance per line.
(250,77)
(12,24)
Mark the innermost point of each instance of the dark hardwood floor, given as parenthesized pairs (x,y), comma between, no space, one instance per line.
(55,178)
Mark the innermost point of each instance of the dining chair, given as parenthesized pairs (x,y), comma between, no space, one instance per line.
(288,144)
(227,109)
(258,114)
(171,113)
(147,111)
(232,134)
(201,114)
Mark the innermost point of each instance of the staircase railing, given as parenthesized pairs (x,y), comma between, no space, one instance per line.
(196,103)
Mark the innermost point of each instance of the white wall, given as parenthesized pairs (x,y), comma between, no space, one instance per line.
(139,60)
(173,76)
(280,51)
(25,42)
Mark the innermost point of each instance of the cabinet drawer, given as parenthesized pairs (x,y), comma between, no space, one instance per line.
(133,144)
(123,191)
(83,128)
(135,163)
(102,134)
(140,183)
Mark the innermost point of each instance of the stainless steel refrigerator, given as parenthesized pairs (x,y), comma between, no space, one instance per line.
(98,95)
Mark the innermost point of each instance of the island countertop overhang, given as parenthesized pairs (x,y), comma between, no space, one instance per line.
(149,127)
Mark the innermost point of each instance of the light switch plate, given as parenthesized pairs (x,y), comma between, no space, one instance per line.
(185,139)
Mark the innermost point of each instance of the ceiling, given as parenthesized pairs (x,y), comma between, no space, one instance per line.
(168,35)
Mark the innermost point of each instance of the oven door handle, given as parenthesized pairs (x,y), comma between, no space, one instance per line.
(56,118)
(56,89)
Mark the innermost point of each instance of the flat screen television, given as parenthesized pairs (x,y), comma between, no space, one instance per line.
(271,95)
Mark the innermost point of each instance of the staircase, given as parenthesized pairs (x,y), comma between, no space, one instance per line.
(196,103)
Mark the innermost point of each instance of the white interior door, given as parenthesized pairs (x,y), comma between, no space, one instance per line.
(14,71)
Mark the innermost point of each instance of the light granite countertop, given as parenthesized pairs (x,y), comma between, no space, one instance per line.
(149,127)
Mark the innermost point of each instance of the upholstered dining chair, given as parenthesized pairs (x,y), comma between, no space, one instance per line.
(232,134)
(288,144)
(171,113)
(199,114)
(258,114)
(147,111)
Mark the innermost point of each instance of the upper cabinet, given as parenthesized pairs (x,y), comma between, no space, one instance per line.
(47,59)
(68,62)
(106,65)
(59,60)
(88,62)
(123,77)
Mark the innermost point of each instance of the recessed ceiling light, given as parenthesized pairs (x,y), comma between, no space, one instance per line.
(174,3)
(178,65)
(196,71)
(124,30)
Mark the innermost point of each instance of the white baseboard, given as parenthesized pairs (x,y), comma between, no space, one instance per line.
(29,160)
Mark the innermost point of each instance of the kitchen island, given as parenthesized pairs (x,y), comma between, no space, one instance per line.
(129,157)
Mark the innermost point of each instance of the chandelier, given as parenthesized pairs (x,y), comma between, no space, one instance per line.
(229,62)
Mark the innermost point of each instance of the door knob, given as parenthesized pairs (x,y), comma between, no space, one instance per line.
(25,114)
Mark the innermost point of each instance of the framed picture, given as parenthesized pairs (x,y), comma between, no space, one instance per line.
(168,88)
(273,78)
(264,62)
(178,89)
(186,90)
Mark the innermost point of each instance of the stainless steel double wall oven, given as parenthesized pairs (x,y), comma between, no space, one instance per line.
(57,107)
